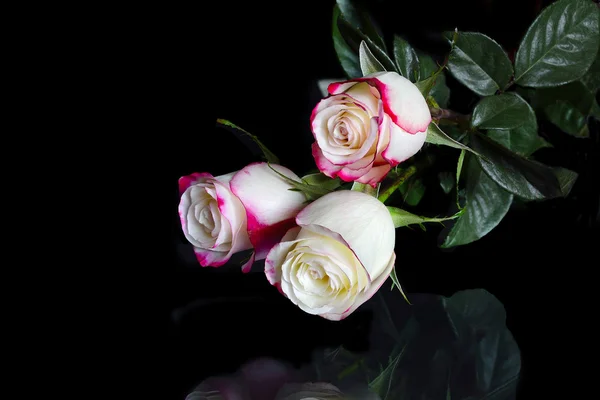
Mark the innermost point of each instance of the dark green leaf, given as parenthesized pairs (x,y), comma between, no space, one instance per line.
(595,110)
(523,140)
(354,37)
(368,63)
(568,118)
(382,383)
(406,59)
(440,91)
(591,79)
(311,192)
(566,179)
(412,191)
(446,181)
(525,178)
(497,357)
(479,63)
(436,136)
(347,56)
(396,283)
(361,20)
(560,45)
(244,135)
(505,111)
(486,204)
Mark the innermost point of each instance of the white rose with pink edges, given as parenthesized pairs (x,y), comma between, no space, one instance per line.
(250,208)
(368,125)
(337,257)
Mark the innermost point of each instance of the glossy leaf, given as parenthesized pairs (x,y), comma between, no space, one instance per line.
(567,107)
(353,37)
(412,191)
(568,118)
(361,20)
(591,79)
(440,91)
(479,63)
(560,45)
(436,136)
(505,111)
(406,59)
(523,140)
(481,320)
(525,178)
(486,204)
(566,179)
(347,56)
(368,63)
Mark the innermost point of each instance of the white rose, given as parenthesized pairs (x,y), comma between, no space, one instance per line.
(368,125)
(337,258)
(250,208)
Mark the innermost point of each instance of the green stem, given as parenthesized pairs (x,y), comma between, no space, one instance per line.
(407,173)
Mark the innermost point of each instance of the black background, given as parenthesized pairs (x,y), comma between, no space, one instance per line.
(257,64)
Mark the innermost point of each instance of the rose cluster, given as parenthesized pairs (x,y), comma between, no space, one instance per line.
(330,255)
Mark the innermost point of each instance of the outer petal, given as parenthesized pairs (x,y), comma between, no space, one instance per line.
(375,175)
(361,220)
(402,145)
(324,165)
(233,210)
(270,206)
(366,295)
(210,258)
(277,255)
(340,87)
(188,180)
(402,100)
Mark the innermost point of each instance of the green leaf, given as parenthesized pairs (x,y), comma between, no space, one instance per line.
(406,59)
(396,283)
(440,91)
(402,217)
(311,192)
(322,180)
(591,79)
(243,134)
(479,63)
(412,191)
(566,179)
(383,382)
(486,204)
(525,178)
(364,188)
(361,20)
(504,111)
(368,63)
(436,136)
(497,360)
(568,118)
(347,56)
(446,181)
(353,37)
(595,110)
(523,140)
(560,45)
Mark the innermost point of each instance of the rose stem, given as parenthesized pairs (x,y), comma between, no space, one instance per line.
(407,173)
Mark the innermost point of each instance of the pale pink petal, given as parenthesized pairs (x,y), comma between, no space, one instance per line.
(248,264)
(339,87)
(277,255)
(210,258)
(402,145)
(362,94)
(402,100)
(324,165)
(233,210)
(189,180)
(375,175)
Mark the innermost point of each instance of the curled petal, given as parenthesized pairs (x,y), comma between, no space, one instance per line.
(270,206)
(188,180)
(402,145)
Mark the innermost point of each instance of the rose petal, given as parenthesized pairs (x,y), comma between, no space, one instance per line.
(277,255)
(402,145)
(375,175)
(324,165)
(361,220)
(188,180)
(270,205)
